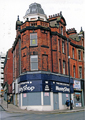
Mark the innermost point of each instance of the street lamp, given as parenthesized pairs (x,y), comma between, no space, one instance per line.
(69,71)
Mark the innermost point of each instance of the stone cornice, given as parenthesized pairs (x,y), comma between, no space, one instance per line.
(63,37)
(77,46)
(34,28)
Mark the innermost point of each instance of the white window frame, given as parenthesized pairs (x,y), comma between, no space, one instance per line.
(31,63)
(33,39)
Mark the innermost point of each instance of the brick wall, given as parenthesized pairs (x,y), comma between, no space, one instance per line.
(8,70)
(47,48)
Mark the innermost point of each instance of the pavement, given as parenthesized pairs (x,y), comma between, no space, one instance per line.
(15,109)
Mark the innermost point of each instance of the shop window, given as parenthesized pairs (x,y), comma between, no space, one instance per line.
(34,62)
(77,99)
(64,98)
(33,39)
(31,99)
(79,54)
(46,97)
(80,72)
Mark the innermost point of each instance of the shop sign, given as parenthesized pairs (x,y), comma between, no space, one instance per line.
(46,87)
(61,87)
(25,87)
(30,86)
(77,84)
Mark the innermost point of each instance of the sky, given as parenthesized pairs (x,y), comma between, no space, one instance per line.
(72,10)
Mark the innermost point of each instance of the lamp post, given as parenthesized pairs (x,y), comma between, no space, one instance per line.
(69,71)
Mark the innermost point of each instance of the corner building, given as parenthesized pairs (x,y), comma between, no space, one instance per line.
(40,61)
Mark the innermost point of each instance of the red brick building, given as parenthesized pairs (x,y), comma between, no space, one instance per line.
(8,73)
(77,64)
(41,52)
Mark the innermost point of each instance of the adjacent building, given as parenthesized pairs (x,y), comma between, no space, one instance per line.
(2,58)
(48,64)
(8,75)
(77,65)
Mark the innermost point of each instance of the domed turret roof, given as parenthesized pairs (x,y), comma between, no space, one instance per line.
(35,8)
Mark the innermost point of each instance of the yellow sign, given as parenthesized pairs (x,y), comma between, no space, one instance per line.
(33,42)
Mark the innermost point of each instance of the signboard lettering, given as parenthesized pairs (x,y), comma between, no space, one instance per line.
(46,88)
(64,89)
(26,88)
(61,87)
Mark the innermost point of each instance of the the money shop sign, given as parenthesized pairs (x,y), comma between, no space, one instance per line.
(61,87)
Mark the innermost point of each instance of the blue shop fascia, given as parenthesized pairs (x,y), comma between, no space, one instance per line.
(44,81)
(42,90)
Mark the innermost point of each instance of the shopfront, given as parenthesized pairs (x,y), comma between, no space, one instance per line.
(48,92)
(78,94)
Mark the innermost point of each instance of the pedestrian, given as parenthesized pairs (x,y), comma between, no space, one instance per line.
(67,103)
(71,102)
